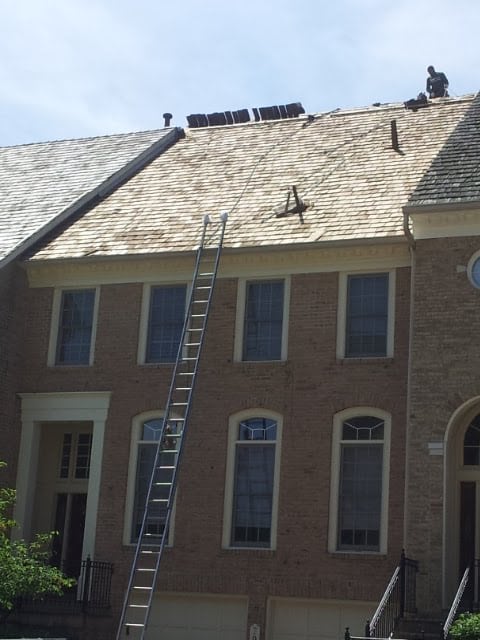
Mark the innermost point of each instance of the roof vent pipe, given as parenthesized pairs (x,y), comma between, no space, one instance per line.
(168,117)
(394,132)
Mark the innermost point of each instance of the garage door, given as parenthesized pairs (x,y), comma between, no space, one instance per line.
(197,618)
(316,620)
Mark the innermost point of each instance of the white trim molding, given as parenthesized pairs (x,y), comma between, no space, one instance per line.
(55,323)
(38,408)
(342,312)
(233,424)
(338,420)
(240,317)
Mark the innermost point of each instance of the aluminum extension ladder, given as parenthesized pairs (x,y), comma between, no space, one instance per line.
(153,534)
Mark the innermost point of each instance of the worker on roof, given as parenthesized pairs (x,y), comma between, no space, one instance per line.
(437,83)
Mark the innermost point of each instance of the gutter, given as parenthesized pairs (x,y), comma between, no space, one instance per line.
(100,192)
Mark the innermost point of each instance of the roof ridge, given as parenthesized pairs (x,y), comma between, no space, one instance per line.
(87,138)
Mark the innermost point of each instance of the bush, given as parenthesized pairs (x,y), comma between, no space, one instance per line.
(466,627)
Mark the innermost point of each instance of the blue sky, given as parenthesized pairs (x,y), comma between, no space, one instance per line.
(76,68)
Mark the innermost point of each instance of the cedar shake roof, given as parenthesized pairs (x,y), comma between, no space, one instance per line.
(342,164)
(454,175)
(41,184)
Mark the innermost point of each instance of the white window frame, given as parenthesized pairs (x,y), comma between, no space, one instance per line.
(137,426)
(342,312)
(55,326)
(145,317)
(338,420)
(233,424)
(240,316)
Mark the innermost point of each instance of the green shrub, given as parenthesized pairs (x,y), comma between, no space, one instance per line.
(466,627)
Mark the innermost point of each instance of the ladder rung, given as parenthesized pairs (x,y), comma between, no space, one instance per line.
(183,388)
(198,315)
(143,588)
(134,624)
(179,404)
(138,606)
(195,329)
(205,275)
(162,484)
(192,344)
(199,301)
(184,373)
(146,570)
(165,467)
(156,500)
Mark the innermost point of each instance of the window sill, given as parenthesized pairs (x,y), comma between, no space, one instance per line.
(155,364)
(355,554)
(367,359)
(70,366)
(260,551)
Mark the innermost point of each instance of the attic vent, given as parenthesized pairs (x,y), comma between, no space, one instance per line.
(280,112)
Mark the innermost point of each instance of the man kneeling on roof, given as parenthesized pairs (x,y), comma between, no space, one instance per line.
(437,83)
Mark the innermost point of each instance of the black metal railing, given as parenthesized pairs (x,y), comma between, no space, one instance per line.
(91,593)
(399,599)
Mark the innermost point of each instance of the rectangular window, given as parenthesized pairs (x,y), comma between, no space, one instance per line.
(75,327)
(360,497)
(263,324)
(166,319)
(366,327)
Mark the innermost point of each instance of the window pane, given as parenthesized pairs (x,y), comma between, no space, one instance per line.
(262,338)
(367,315)
(360,497)
(66,451)
(75,327)
(253,495)
(363,428)
(257,429)
(471,443)
(84,449)
(167,315)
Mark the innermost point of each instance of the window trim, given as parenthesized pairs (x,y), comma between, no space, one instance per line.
(55,326)
(342,313)
(474,258)
(137,425)
(240,317)
(145,317)
(233,423)
(338,420)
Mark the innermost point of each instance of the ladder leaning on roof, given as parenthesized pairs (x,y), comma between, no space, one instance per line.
(153,533)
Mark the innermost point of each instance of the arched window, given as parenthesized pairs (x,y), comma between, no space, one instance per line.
(359,497)
(252,481)
(146,432)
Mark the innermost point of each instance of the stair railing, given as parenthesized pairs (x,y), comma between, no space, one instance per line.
(455,604)
(399,598)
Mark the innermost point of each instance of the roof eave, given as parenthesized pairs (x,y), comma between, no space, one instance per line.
(429,207)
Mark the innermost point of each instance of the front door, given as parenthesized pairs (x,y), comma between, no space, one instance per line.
(469,507)
(70,525)
(62,488)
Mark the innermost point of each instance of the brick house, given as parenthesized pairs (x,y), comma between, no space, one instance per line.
(328,336)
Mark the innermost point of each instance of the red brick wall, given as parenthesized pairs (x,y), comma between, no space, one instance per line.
(307,389)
